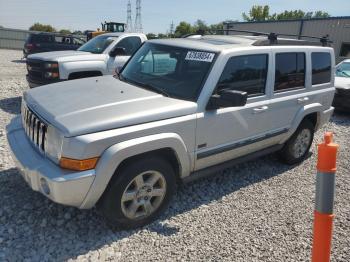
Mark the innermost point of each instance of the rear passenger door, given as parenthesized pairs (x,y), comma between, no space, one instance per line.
(227,133)
(289,92)
(294,89)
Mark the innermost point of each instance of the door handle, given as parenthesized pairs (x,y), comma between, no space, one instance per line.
(302,100)
(260,109)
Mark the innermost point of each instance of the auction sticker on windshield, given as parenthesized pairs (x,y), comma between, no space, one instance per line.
(200,56)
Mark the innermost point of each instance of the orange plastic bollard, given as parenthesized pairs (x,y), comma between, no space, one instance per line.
(325,187)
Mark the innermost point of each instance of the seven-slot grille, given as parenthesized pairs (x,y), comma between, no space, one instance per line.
(35,129)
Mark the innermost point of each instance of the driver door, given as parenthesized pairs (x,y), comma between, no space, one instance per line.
(130,44)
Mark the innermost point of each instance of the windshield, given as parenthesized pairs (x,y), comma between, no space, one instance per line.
(343,69)
(98,44)
(172,71)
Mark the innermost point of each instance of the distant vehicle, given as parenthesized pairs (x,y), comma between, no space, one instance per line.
(101,55)
(342,85)
(46,42)
(107,27)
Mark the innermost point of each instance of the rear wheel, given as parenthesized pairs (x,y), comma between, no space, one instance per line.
(139,193)
(297,147)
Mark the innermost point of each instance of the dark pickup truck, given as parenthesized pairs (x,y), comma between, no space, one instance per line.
(45,42)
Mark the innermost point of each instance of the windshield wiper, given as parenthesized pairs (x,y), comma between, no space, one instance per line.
(154,88)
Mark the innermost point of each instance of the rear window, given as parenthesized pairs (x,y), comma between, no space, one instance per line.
(321,68)
(290,71)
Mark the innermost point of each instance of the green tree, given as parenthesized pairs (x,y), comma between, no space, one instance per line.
(257,13)
(161,36)
(78,32)
(65,31)
(184,28)
(200,27)
(215,28)
(42,28)
(262,13)
(321,14)
(151,36)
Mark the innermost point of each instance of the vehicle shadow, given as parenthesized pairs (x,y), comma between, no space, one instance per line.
(19,61)
(11,105)
(340,118)
(46,225)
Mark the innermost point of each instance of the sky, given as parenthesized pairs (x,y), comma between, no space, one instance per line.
(157,15)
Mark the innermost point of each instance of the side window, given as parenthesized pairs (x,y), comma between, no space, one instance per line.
(131,44)
(290,71)
(245,73)
(58,39)
(321,68)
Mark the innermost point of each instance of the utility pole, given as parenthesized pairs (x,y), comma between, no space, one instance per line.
(129,27)
(138,21)
(172,29)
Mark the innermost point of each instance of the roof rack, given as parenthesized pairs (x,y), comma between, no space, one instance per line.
(273,38)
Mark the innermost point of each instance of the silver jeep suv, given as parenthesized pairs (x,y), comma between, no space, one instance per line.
(180,109)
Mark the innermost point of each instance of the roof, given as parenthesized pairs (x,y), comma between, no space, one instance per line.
(291,20)
(217,43)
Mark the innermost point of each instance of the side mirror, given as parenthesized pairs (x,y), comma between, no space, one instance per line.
(117,51)
(228,98)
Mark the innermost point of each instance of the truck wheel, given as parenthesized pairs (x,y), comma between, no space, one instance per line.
(298,146)
(139,193)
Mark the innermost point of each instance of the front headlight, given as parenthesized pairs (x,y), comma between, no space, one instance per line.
(53,144)
(51,65)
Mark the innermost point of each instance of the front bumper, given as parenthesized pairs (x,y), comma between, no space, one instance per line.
(35,83)
(60,185)
(342,99)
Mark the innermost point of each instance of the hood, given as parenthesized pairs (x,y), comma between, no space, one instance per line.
(67,56)
(96,104)
(342,82)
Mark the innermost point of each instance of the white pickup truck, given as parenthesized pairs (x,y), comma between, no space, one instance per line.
(100,56)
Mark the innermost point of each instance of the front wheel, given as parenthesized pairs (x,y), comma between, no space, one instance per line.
(297,147)
(139,193)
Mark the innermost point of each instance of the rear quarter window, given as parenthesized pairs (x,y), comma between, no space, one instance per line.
(321,68)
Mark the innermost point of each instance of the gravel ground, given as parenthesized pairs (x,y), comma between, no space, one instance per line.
(257,211)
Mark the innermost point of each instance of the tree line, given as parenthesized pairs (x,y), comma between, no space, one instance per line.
(256,13)
(49,28)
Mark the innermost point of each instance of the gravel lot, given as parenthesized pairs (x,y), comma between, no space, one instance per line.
(257,211)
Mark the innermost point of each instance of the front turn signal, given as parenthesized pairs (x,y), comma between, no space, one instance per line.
(78,165)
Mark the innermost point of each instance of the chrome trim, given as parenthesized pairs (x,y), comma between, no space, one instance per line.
(34,128)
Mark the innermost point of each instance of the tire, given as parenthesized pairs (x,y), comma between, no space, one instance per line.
(298,146)
(126,194)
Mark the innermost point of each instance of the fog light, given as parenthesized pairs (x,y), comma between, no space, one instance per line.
(44,186)
(51,75)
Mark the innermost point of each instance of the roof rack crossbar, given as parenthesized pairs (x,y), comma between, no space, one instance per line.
(274,36)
